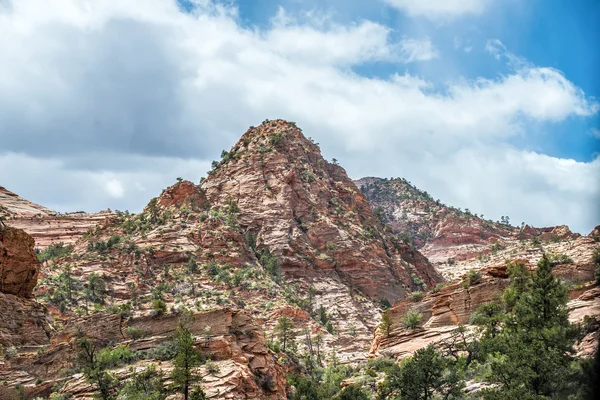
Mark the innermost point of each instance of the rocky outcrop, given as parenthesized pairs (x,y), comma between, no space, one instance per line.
(456,240)
(245,367)
(311,214)
(44,225)
(454,305)
(19,266)
(23,322)
(182,194)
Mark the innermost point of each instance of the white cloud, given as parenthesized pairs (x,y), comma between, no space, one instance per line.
(114,188)
(595,132)
(417,50)
(110,90)
(436,9)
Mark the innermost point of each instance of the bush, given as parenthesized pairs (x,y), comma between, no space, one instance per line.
(560,259)
(412,319)
(472,278)
(159,306)
(438,287)
(111,357)
(134,332)
(417,296)
(211,367)
(55,250)
(163,352)
(451,261)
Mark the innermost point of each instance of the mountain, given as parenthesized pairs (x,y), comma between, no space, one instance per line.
(273,231)
(46,226)
(456,240)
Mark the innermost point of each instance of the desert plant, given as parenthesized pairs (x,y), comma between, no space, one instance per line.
(412,319)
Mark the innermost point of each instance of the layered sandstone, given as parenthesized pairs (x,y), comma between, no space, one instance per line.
(247,369)
(310,213)
(45,225)
(456,240)
(454,305)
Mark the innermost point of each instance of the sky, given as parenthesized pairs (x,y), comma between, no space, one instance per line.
(487,105)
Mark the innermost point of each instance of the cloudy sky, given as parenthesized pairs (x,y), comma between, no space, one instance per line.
(487,105)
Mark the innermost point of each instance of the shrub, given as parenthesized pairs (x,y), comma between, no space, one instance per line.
(116,356)
(412,319)
(55,250)
(211,367)
(472,278)
(163,352)
(159,306)
(308,177)
(451,261)
(134,332)
(417,296)
(385,303)
(277,139)
(560,259)
(438,287)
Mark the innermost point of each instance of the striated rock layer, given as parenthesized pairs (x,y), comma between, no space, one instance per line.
(246,368)
(455,304)
(44,225)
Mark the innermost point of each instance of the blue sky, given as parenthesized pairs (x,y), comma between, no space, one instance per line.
(555,33)
(490,105)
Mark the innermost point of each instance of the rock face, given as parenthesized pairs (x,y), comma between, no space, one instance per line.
(455,304)
(456,240)
(19,266)
(44,225)
(247,369)
(311,214)
(23,322)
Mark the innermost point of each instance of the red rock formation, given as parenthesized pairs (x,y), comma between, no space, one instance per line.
(19,266)
(44,225)
(455,304)
(311,214)
(181,194)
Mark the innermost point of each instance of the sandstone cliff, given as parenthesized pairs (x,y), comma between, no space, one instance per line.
(44,225)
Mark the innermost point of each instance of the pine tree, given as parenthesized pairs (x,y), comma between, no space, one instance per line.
(187,358)
(533,351)
(93,368)
(285,333)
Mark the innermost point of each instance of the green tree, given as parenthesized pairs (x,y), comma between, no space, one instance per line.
(422,376)
(412,319)
(145,385)
(187,358)
(285,333)
(386,322)
(95,291)
(531,356)
(88,359)
(352,392)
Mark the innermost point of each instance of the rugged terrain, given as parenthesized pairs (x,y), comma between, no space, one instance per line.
(44,225)
(273,231)
(456,240)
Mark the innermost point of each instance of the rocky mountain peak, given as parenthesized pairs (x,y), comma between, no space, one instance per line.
(309,213)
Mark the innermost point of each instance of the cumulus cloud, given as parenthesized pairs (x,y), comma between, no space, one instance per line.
(436,9)
(112,102)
